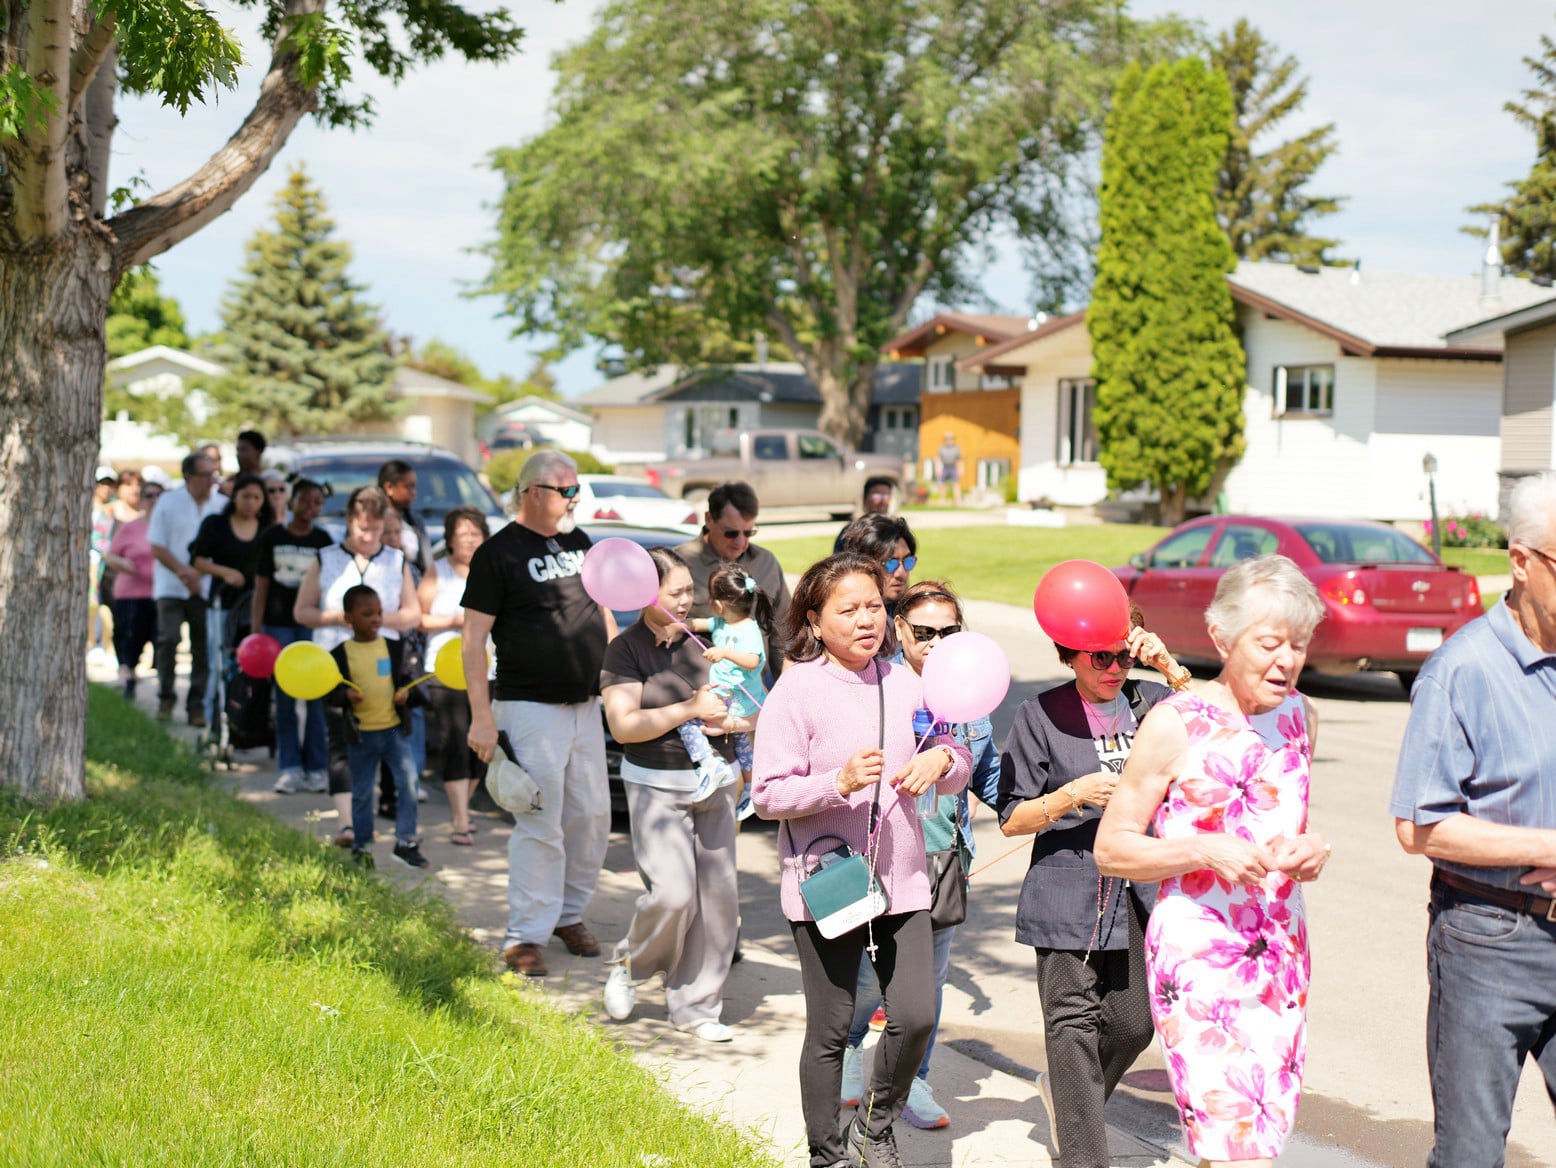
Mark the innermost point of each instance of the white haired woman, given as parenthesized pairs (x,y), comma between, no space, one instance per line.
(1213,803)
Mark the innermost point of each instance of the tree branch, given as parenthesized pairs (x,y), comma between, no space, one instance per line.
(41,187)
(89,57)
(172,215)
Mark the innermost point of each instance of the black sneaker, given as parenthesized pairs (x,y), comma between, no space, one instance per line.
(865,1151)
(410,855)
(362,858)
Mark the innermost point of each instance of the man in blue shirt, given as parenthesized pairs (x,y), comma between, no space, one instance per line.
(1476,793)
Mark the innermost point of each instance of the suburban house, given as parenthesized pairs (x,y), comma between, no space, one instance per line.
(1527,337)
(562,425)
(1353,379)
(672,414)
(435,409)
(981,407)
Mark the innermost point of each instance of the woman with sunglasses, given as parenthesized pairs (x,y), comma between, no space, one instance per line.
(1061,764)
(888,540)
(927,613)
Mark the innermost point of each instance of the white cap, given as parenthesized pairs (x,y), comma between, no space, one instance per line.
(157,476)
(105,472)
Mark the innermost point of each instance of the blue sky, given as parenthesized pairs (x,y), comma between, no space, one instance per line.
(1415,92)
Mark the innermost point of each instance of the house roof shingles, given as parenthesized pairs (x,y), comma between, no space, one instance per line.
(783,381)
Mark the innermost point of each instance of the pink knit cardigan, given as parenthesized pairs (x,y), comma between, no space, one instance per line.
(817,716)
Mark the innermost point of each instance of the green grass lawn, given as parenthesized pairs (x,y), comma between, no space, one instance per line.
(993,563)
(1478,561)
(187,981)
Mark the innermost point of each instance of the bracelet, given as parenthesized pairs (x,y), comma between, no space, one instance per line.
(1180,681)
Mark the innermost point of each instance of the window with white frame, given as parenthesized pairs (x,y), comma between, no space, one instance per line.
(940,374)
(1077,431)
(1304,391)
(897,418)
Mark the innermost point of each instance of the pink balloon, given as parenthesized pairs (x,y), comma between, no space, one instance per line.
(966,677)
(1082,605)
(257,654)
(620,575)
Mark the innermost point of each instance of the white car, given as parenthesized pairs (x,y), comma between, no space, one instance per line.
(618,499)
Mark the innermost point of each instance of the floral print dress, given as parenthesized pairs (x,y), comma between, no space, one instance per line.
(1228,963)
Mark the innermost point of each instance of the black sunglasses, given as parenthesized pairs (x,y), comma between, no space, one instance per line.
(730,533)
(922,633)
(566,492)
(1105,659)
(907,564)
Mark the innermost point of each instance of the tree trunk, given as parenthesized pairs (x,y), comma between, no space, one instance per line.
(53,302)
(1174,505)
(845,404)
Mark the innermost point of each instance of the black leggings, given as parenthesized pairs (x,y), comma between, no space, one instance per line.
(134,627)
(448,735)
(829,971)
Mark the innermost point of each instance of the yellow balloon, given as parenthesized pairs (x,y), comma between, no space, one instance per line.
(449,665)
(306,671)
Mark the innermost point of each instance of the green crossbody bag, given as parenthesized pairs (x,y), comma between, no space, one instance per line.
(841,889)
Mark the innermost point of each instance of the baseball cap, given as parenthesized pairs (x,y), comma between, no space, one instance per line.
(106,474)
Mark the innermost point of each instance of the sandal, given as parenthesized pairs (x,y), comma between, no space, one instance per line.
(465,839)
(346,838)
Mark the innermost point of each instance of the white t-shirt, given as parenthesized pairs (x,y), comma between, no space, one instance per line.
(174,524)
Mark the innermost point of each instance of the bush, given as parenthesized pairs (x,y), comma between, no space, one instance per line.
(502,472)
(1470,531)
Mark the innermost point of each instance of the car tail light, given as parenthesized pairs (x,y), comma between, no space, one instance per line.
(1472,595)
(1345,590)
(691,517)
(606,513)
(651,475)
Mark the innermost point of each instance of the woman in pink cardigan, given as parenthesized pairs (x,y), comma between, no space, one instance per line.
(836,752)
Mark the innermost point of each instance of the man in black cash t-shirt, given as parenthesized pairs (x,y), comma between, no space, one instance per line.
(526,591)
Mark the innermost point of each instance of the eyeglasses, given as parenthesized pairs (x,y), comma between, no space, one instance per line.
(733,533)
(906,564)
(566,492)
(1550,560)
(922,633)
(276,490)
(1105,659)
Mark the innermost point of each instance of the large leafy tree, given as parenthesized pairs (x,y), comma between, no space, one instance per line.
(804,168)
(1262,198)
(140,315)
(1168,365)
(1526,218)
(304,353)
(63,248)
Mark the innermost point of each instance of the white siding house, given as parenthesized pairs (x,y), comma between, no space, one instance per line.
(566,427)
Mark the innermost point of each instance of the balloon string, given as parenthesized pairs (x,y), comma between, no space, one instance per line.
(1002,856)
(703,646)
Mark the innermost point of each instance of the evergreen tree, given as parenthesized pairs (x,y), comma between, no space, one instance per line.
(305,354)
(1168,365)
(1260,197)
(1527,217)
(139,316)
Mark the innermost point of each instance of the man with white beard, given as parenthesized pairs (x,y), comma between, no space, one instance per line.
(525,590)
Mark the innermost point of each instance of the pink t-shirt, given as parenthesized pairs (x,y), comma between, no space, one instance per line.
(130,542)
(817,716)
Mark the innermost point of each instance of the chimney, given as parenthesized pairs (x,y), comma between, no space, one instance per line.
(1356,273)
(1491,266)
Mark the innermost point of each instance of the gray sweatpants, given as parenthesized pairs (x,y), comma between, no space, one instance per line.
(685,922)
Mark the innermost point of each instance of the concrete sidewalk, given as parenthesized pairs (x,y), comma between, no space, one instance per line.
(990,1038)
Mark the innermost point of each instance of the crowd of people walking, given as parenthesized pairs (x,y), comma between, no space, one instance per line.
(1171,838)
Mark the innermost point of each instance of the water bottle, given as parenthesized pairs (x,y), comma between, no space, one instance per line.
(929,802)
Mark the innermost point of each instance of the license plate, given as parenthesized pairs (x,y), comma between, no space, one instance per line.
(1422,640)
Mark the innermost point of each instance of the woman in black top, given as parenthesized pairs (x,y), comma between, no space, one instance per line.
(1061,763)
(226,548)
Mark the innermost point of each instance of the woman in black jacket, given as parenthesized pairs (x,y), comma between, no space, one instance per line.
(1062,760)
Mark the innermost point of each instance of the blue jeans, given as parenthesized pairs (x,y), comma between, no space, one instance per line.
(313,753)
(868,996)
(391,748)
(1492,1004)
(418,740)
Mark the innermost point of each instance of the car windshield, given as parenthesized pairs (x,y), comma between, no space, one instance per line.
(1361,543)
(625,489)
(441,483)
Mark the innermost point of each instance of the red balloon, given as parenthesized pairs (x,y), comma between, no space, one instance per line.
(257,654)
(1082,605)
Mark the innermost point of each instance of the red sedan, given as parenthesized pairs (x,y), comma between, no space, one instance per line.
(1389,602)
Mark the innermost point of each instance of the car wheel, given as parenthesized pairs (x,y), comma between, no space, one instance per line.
(1407,678)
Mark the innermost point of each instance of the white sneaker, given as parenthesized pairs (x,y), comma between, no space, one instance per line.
(289,783)
(1045,1092)
(744,808)
(620,994)
(712,773)
(853,1075)
(714,1032)
(421,792)
(921,1110)
(318,782)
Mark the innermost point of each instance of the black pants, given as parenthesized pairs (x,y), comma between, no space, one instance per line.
(448,735)
(1097,1016)
(134,627)
(829,970)
(172,614)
